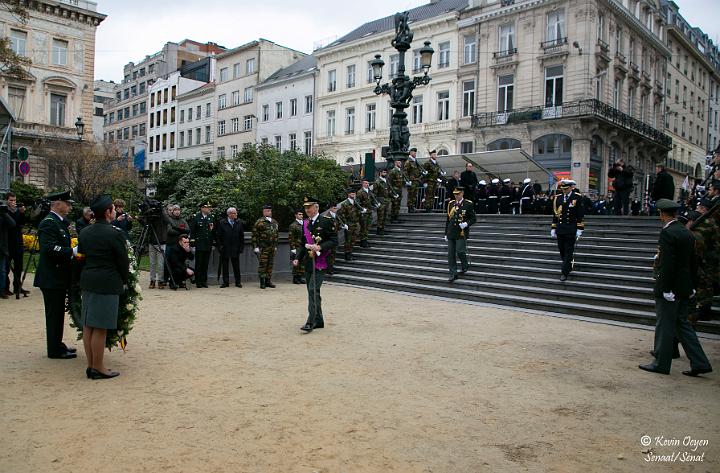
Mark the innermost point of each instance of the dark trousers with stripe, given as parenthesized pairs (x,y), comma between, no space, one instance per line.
(566,245)
(54,300)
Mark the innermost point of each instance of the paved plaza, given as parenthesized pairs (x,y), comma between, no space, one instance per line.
(222,380)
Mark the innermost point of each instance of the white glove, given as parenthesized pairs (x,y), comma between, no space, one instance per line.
(293,251)
(669,296)
(693,294)
(445,237)
(424,184)
(439,180)
(463,225)
(408,183)
(257,250)
(553,234)
(578,234)
(345,227)
(364,211)
(75,251)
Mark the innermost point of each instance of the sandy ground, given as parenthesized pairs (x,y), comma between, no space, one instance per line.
(221,380)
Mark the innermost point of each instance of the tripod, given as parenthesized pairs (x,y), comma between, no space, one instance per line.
(145,238)
(31,259)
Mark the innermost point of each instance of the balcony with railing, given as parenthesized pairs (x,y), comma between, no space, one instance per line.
(602,51)
(583,108)
(555,46)
(504,57)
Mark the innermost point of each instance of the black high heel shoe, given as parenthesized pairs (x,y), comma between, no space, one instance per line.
(88,372)
(95,374)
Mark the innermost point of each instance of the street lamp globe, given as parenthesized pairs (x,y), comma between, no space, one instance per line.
(80,127)
(377,66)
(426,54)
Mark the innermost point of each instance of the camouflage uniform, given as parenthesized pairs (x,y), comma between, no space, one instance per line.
(707,249)
(414,173)
(295,239)
(397,182)
(366,202)
(265,237)
(333,251)
(350,214)
(383,193)
(433,174)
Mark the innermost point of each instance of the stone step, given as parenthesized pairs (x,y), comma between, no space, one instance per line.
(543,229)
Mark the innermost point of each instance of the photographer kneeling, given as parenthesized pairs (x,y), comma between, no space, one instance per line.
(177,258)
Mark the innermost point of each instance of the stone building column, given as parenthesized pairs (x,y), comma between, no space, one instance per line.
(580,165)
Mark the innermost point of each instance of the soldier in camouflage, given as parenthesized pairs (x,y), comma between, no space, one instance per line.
(414,173)
(295,236)
(432,176)
(349,212)
(383,194)
(397,181)
(367,200)
(707,249)
(264,240)
(338,225)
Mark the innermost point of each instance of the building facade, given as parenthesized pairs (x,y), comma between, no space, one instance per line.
(285,103)
(163,117)
(351,120)
(238,72)
(196,124)
(126,119)
(57,89)
(103,93)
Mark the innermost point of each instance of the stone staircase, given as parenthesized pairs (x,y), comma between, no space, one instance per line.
(515,263)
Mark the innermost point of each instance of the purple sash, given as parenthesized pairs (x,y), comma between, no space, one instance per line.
(320,261)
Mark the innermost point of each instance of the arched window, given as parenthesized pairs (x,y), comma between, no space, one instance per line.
(553,151)
(443,152)
(503,143)
(614,152)
(349,160)
(698,170)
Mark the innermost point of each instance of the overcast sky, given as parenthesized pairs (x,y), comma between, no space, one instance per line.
(136,28)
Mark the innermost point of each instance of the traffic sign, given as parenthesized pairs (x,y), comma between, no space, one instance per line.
(24,168)
(22,153)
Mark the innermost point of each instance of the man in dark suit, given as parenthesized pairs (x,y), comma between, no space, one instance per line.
(675,272)
(664,185)
(567,224)
(460,215)
(469,181)
(201,234)
(319,238)
(15,247)
(54,271)
(230,240)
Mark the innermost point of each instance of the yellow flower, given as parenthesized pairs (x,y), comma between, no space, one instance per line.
(73,242)
(30,242)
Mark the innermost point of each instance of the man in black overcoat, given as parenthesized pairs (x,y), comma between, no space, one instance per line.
(230,242)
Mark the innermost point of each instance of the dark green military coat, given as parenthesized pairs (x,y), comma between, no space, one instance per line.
(54,266)
(107,264)
(200,232)
(676,265)
(456,214)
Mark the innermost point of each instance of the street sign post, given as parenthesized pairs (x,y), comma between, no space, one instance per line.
(24,168)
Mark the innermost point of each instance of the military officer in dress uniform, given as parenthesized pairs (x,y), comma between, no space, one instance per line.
(481,195)
(493,195)
(383,194)
(54,272)
(319,238)
(675,273)
(367,200)
(295,242)
(432,177)
(567,224)
(505,194)
(201,235)
(527,197)
(460,216)
(264,240)
(414,172)
(350,212)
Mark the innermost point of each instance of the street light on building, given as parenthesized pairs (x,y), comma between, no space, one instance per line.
(402,86)
(80,127)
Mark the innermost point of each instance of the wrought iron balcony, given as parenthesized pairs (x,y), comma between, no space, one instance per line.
(554,45)
(589,108)
(500,57)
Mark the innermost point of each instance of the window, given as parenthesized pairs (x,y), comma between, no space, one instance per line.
(165,96)
(198,113)
(182,116)
(207,134)
(293,107)
(247,122)
(443,99)
(250,66)
(264,141)
(152,119)
(164,115)
(221,128)
(126,94)
(134,131)
(236,97)
(224,74)
(468,97)
(173,93)
(417,61)
(248,95)
(135,109)
(237,70)
(233,151)
(278,110)
(507,38)
(172,115)
(143,107)
(444,57)
(619,41)
(142,129)
(182,139)
(59,52)
(332,81)
(370,114)
(466,147)
(278,142)
(351,76)
(394,65)
(631,50)
(469,49)
(221,152)
(172,140)
(556,26)
(631,101)
(57,109)
(308,142)
(164,141)
(222,102)
(157,141)
(208,109)
(16,97)
(18,42)
(601,28)
(643,106)
(152,142)
(308,104)
(292,138)
(553,86)
(235,125)
(370,74)
(151,68)
(350,120)
(189,135)
(330,123)
(417,109)
(617,93)
(600,88)
(197,135)
(141,87)
(265,113)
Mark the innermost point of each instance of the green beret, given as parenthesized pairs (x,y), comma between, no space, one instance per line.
(666,204)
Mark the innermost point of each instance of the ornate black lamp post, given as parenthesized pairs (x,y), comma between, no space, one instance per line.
(402,86)
(80,128)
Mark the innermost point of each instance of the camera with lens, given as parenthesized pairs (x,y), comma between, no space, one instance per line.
(39,211)
(150,208)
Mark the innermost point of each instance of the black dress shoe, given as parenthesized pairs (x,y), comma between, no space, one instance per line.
(87,372)
(70,349)
(95,374)
(453,278)
(695,373)
(307,328)
(237,284)
(224,285)
(63,356)
(269,284)
(205,285)
(302,281)
(320,325)
(652,368)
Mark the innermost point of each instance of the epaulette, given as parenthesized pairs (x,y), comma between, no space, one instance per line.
(469,200)
(327,216)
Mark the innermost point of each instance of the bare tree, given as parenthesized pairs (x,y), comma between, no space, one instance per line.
(11,64)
